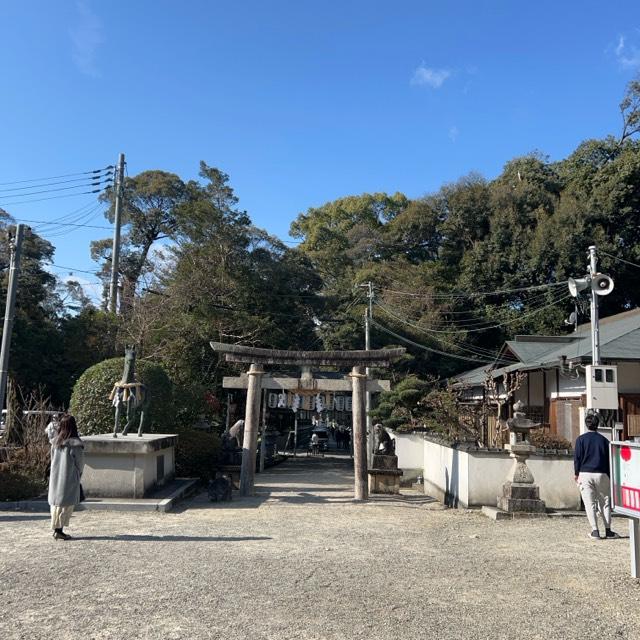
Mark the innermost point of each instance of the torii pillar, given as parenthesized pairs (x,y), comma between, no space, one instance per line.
(250,440)
(359,414)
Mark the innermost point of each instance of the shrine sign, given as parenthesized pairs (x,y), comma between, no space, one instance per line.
(625,478)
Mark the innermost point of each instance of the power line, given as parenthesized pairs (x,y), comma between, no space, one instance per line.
(75,186)
(62,224)
(475,330)
(52,184)
(72,269)
(64,175)
(66,195)
(422,346)
(473,295)
(472,323)
(631,264)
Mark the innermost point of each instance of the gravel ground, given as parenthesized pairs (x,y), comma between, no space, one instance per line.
(302,561)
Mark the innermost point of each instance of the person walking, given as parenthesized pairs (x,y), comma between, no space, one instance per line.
(591,467)
(67,461)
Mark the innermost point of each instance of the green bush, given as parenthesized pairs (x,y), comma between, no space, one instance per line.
(197,454)
(545,440)
(17,486)
(94,411)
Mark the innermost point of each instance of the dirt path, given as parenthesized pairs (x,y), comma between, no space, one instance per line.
(300,560)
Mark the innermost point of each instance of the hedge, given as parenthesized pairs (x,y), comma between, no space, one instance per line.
(94,411)
(197,454)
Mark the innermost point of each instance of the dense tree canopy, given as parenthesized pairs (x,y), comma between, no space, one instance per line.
(455,272)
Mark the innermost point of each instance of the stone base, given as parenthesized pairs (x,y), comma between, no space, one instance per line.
(498,514)
(384,480)
(233,472)
(521,498)
(384,462)
(127,466)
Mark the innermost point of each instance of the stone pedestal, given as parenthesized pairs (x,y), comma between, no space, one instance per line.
(127,467)
(520,494)
(385,475)
(233,472)
(384,481)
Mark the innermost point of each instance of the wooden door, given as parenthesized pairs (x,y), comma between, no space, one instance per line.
(630,404)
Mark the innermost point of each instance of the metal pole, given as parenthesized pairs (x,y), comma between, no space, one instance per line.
(14,270)
(295,435)
(263,444)
(115,253)
(368,314)
(595,325)
(634,543)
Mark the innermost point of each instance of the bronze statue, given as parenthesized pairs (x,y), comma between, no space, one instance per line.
(384,444)
(128,391)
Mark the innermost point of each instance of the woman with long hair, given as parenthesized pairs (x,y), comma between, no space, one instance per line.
(67,461)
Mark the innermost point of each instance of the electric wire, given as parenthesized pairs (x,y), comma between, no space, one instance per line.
(466,324)
(77,186)
(66,195)
(631,264)
(475,350)
(479,294)
(50,184)
(425,348)
(64,175)
(477,329)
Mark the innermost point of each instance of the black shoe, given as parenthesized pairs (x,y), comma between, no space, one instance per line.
(61,535)
(610,535)
(594,535)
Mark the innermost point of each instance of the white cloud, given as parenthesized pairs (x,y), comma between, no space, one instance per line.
(424,75)
(628,55)
(86,38)
(454,132)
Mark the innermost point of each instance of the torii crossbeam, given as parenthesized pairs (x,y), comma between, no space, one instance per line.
(356,360)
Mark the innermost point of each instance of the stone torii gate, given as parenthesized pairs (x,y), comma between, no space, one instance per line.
(255,381)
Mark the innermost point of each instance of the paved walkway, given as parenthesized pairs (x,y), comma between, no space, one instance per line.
(302,561)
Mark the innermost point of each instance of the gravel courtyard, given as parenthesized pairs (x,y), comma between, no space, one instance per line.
(302,561)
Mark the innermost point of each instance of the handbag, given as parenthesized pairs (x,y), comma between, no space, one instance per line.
(82,496)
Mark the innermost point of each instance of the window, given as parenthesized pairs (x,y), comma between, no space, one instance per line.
(610,375)
(597,375)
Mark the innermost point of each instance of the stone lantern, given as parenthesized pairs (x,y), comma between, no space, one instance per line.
(520,494)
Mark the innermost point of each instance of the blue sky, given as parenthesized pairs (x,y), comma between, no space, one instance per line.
(302,102)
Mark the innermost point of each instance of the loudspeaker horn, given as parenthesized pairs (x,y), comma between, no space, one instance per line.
(576,285)
(601,284)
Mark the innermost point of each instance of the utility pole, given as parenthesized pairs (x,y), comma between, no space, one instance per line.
(595,325)
(115,253)
(14,270)
(368,314)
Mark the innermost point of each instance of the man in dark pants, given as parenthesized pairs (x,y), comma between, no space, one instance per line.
(591,466)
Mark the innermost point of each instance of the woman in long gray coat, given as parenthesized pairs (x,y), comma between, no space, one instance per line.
(67,461)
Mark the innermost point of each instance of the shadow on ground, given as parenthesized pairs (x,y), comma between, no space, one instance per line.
(148,538)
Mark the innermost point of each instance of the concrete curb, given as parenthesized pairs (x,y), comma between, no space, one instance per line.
(184,488)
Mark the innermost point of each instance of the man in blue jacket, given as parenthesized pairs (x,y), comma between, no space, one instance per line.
(591,466)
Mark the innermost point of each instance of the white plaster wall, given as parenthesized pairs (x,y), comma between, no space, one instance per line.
(475,478)
(446,474)
(487,472)
(555,477)
(409,449)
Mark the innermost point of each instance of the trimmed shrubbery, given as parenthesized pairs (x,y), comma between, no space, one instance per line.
(196,454)
(94,411)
